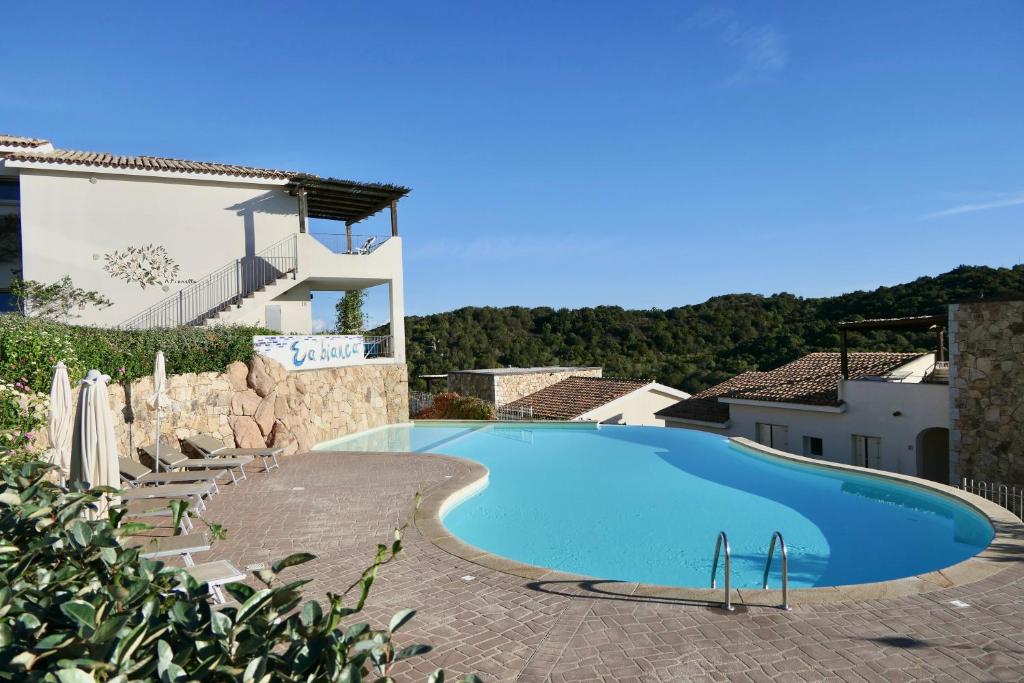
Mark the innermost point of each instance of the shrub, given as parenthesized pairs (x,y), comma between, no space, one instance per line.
(22,414)
(29,347)
(78,607)
(451,406)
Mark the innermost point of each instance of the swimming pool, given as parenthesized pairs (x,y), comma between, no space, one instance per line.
(645,504)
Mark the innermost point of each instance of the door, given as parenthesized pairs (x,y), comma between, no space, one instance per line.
(773,436)
(273,315)
(933,454)
(867,451)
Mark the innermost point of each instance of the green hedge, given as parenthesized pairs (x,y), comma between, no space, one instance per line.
(29,347)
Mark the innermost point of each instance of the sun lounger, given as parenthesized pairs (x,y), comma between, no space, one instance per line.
(216,574)
(137,474)
(155,507)
(212,447)
(195,491)
(156,547)
(173,459)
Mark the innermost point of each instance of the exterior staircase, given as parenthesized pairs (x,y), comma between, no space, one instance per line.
(231,285)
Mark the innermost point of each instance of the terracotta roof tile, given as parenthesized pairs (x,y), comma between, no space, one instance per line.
(19,141)
(810,380)
(147,163)
(575,396)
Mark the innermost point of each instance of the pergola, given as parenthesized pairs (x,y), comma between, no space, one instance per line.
(920,322)
(344,200)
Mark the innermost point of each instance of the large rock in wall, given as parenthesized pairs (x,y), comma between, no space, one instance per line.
(259,403)
(987,390)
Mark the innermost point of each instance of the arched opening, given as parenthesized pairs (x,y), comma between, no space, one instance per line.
(933,454)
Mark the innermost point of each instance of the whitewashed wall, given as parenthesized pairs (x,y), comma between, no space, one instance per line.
(870,408)
(637,408)
(69,223)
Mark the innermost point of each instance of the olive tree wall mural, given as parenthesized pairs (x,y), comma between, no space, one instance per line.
(148,265)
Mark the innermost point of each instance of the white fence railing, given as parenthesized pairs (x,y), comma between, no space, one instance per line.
(1009,497)
(509,414)
(421,400)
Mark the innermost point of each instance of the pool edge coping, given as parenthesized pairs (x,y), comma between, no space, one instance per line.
(995,558)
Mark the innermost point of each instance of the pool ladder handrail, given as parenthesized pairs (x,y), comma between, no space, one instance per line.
(723,540)
(785,568)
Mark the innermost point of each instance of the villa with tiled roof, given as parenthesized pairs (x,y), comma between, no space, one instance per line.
(874,409)
(175,242)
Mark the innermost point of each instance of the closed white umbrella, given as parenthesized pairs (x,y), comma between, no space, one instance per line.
(61,413)
(159,398)
(94,446)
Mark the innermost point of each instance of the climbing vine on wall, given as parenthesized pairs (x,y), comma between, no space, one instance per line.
(146,266)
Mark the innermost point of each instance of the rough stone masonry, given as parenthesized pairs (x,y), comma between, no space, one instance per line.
(259,403)
(987,390)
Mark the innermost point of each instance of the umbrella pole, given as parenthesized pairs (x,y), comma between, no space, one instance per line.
(157,464)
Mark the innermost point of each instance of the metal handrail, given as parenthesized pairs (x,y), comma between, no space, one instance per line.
(224,287)
(723,540)
(785,568)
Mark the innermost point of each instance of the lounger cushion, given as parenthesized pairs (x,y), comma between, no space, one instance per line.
(168,546)
(216,573)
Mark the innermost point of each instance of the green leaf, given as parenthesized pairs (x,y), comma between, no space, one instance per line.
(291,561)
(436,677)
(400,619)
(82,533)
(350,674)
(75,676)
(254,671)
(109,627)
(311,614)
(253,605)
(220,623)
(80,611)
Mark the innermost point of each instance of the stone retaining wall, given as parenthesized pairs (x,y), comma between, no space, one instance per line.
(986,351)
(502,387)
(261,404)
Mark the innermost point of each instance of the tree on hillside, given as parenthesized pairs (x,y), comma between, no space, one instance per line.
(690,347)
(351,318)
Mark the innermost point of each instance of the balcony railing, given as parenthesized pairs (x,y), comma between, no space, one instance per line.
(343,243)
(377,347)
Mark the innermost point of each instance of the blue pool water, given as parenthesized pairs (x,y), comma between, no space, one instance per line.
(646,504)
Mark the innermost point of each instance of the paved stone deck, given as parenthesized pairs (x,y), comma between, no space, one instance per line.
(506,628)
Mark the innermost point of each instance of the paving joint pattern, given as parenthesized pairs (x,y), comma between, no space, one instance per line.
(549,628)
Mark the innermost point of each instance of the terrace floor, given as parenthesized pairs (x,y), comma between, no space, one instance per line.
(505,628)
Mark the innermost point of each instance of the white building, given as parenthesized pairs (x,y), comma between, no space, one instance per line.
(173,242)
(890,412)
(607,400)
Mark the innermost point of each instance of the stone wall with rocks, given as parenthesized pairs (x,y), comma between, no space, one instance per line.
(986,350)
(513,387)
(261,404)
(472,384)
(504,386)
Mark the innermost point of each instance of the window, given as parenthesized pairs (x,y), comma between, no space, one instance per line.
(9,192)
(867,451)
(773,436)
(8,304)
(814,446)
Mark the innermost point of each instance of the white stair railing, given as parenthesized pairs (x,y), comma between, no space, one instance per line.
(227,286)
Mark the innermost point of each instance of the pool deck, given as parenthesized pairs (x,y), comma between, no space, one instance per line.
(504,627)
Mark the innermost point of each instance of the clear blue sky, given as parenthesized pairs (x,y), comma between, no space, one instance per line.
(644,154)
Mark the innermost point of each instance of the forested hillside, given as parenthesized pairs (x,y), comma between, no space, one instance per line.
(689,347)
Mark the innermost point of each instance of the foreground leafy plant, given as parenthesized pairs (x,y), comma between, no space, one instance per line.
(76,606)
